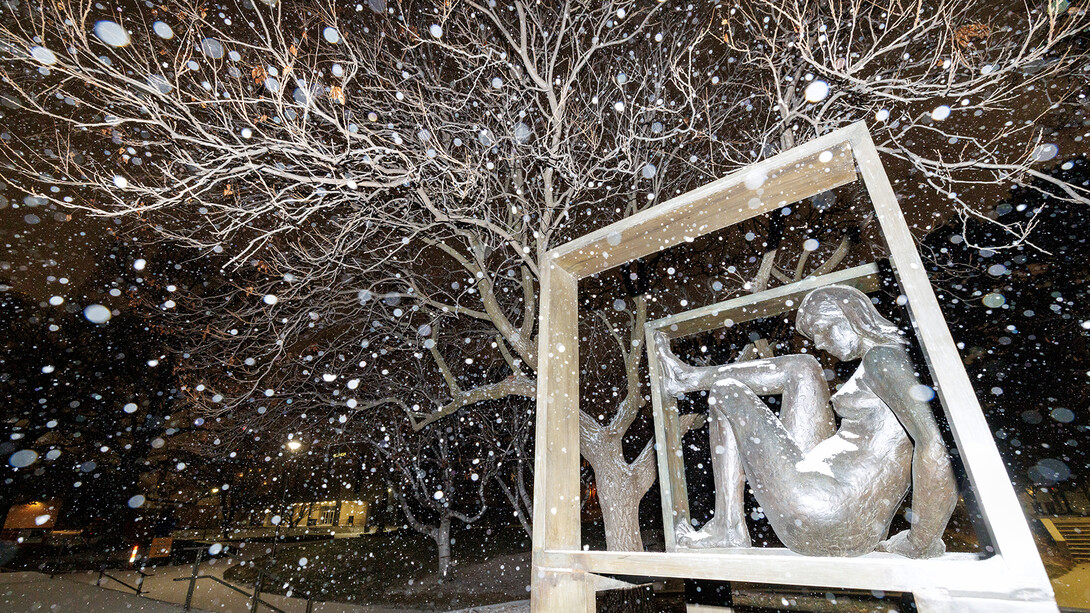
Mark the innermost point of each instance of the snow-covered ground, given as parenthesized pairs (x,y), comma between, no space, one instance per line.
(30,591)
(25,592)
(521,606)
(209,595)
(161,589)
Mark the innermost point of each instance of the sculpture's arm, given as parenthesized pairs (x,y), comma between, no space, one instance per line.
(799,377)
(769,376)
(889,374)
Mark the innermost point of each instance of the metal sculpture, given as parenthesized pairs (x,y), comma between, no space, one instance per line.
(825,490)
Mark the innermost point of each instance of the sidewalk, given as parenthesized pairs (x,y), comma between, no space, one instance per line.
(519,606)
(28,591)
(33,592)
(209,595)
(1073,589)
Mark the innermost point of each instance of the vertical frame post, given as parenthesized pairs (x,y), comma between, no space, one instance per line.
(671,458)
(556,461)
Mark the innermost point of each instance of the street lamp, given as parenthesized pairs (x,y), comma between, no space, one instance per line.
(292,446)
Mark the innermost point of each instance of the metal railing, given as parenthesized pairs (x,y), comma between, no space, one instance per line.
(255,597)
(256,601)
(135,588)
(57,568)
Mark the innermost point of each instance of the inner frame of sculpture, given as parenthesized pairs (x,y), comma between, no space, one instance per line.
(826,491)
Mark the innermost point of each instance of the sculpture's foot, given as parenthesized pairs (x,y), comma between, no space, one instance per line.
(673,370)
(902,543)
(713,535)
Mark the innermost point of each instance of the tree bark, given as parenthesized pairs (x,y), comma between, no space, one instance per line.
(621,485)
(442,541)
(619,496)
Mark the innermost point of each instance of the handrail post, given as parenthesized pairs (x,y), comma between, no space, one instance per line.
(257,591)
(193,580)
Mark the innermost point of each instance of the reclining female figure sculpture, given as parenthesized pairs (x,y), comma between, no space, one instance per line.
(824,493)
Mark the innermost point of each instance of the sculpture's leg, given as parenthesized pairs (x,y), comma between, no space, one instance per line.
(798,378)
(728,527)
(730,483)
(805,410)
(768,452)
(806,416)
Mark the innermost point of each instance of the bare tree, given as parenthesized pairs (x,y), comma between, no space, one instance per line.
(381,186)
(622,484)
(954,90)
(510,436)
(436,477)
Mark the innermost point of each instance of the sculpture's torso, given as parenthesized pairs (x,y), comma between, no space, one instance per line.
(840,503)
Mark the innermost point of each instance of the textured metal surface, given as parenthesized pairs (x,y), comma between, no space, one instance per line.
(825,491)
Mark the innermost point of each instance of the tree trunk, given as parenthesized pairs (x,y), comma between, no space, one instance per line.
(622,485)
(619,496)
(442,540)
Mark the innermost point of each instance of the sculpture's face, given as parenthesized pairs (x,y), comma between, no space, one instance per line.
(835,335)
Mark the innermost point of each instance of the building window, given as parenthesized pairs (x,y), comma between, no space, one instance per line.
(327,516)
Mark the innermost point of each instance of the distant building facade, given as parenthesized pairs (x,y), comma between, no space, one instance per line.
(31,521)
(330,513)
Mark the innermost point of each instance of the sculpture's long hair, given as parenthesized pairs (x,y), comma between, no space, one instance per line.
(853,305)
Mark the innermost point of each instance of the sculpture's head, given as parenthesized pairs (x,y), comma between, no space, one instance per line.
(842,321)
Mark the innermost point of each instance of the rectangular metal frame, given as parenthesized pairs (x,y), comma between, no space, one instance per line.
(564,576)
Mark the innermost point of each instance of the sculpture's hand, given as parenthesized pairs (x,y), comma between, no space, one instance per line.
(903,544)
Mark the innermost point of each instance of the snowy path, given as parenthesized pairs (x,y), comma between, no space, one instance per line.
(77,591)
(521,606)
(211,596)
(215,598)
(29,591)
(1073,588)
